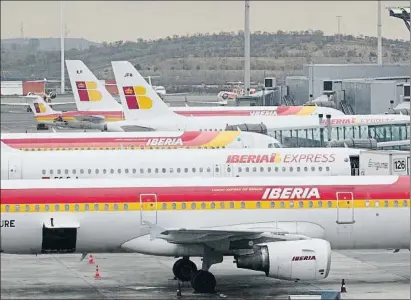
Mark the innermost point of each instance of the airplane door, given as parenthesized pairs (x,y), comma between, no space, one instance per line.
(229,170)
(148,208)
(345,208)
(217,171)
(15,168)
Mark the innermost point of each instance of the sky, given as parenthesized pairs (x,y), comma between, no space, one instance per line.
(129,20)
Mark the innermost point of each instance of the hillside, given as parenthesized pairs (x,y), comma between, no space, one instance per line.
(205,58)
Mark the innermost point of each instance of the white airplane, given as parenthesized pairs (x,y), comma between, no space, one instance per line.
(144,110)
(80,74)
(16,164)
(285,227)
(137,140)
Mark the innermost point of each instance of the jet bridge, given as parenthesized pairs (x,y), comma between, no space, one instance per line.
(402,13)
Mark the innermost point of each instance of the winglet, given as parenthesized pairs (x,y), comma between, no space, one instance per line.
(155,230)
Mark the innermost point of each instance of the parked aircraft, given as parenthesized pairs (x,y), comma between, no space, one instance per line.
(16,164)
(137,140)
(285,227)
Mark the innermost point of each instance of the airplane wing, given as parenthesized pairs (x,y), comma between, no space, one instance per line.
(91,119)
(260,233)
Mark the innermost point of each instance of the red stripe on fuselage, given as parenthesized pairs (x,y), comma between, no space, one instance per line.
(397,190)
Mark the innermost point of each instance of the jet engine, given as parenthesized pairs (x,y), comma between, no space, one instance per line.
(290,260)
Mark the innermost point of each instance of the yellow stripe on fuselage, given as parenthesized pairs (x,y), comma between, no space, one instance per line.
(223,139)
(306,110)
(221,205)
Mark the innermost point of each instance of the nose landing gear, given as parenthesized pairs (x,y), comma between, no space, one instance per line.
(184,269)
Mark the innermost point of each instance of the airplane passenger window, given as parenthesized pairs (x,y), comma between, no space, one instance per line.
(104,171)
(193,205)
(282,204)
(386,203)
(212,205)
(312,168)
(27,207)
(291,204)
(164,205)
(43,172)
(56,207)
(89,171)
(134,171)
(203,205)
(96,206)
(247,169)
(178,170)
(222,204)
(327,169)
(126,171)
(208,170)
(73,171)
(201,170)
(310,203)
(156,170)
(239,169)
(377,203)
(37,207)
(87,207)
(66,171)
(97,171)
(17,207)
(305,169)
(51,172)
(106,206)
(149,170)
(194,170)
(125,206)
(81,171)
(298,169)
(119,171)
(183,205)
(228,169)
(76,207)
(171,170)
(405,203)
(269,169)
(185,170)
(254,169)
(329,204)
(258,205)
(47,207)
(232,204)
(141,171)
(7,208)
(395,203)
(283,169)
(261,169)
(301,204)
(163,169)
(242,204)
(59,171)
(291,169)
(320,169)
(367,203)
(272,204)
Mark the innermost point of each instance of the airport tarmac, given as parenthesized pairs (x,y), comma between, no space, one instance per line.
(369,274)
(15,119)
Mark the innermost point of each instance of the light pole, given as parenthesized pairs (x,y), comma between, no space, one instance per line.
(338,28)
(247,48)
(379,33)
(63,89)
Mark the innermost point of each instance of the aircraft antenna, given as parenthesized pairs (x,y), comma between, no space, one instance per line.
(247,48)
(63,88)
(379,33)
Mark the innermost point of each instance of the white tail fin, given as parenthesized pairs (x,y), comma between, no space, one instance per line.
(39,107)
(138,98)
(90,94)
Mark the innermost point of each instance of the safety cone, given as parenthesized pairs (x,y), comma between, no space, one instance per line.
(343,289)
(97,275)
(91,260)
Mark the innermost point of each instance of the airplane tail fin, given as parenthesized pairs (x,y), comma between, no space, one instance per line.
(139,99)
(39,107)
(90,94)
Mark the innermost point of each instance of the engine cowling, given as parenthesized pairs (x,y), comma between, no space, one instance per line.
(290,260)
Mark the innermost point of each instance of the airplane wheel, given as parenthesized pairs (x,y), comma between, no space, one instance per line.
(184,269)
(203,282)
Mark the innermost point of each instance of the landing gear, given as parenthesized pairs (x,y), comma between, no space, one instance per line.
(184,269)
(203,282)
